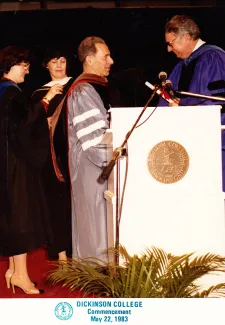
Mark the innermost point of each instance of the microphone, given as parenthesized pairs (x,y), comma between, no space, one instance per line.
(160,92)
(169,88)
(163,76)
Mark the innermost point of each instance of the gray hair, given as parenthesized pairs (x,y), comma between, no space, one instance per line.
(181,24)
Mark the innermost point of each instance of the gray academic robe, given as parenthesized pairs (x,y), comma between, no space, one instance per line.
(87,123)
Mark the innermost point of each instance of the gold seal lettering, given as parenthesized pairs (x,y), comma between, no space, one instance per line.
(168,162)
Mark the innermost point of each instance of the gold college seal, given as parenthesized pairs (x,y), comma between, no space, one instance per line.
(168,162)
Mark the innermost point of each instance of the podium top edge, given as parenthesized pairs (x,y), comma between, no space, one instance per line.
(167,107)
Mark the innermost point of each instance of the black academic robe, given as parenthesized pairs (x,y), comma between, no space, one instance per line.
(57,190)
(24,145)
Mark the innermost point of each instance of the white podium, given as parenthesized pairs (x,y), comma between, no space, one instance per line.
(180,217)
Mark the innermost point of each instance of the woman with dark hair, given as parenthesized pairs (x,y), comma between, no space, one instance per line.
(56,175)
(24,218)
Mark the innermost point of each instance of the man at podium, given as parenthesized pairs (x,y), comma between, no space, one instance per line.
(88,120)
(201,69)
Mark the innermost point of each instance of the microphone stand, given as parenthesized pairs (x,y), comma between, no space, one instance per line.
(119,153)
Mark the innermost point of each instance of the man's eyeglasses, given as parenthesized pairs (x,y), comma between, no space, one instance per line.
(171,42)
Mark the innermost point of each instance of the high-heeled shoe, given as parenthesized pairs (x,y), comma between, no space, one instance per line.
(8,276)
(17,281)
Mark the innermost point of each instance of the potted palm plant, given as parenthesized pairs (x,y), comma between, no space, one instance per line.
(154,274)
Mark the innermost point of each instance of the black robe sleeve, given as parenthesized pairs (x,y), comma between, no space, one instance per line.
(27,127)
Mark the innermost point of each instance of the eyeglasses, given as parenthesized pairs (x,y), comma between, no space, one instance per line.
(24,65)
(171,42)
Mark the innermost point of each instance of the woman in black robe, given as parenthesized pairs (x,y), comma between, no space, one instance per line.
(56,175)
(24,145)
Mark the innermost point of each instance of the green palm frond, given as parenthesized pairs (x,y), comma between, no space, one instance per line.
(154,274)
(213,292)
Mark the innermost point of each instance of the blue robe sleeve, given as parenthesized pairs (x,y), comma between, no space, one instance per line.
(210,67)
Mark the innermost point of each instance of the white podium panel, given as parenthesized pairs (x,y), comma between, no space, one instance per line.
(181,217)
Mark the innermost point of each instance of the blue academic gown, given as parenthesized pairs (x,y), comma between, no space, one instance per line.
(209,67)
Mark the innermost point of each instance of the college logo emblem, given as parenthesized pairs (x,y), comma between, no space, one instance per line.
(63,311)
(168,162)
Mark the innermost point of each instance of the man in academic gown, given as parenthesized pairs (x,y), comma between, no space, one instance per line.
(88,120)
(200,67)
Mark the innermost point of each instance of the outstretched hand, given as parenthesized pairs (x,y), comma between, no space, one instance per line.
(53,91)
(175,102)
